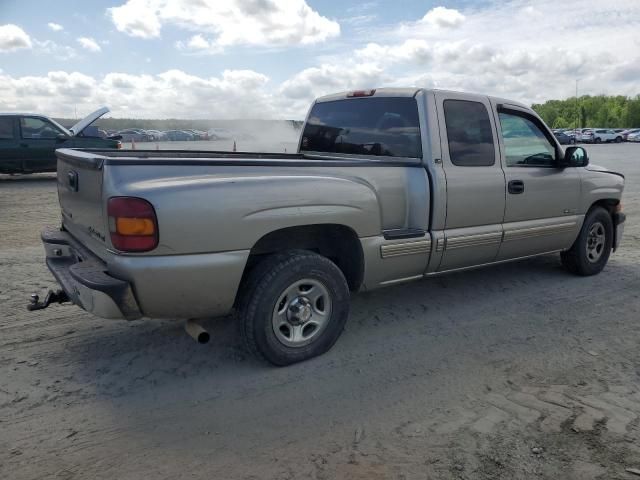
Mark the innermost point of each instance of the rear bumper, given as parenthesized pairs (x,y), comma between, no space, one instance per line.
(82,276)
(618,224)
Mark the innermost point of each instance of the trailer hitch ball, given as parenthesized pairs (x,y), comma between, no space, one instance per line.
(59,296)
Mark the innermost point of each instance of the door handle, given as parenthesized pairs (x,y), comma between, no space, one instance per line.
(516,186)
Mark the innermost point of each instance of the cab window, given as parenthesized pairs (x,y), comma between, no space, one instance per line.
(6,128)
(525,143)
(372,126)
(469,133)
(32,127)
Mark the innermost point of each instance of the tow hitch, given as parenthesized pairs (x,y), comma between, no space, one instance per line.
(59,296)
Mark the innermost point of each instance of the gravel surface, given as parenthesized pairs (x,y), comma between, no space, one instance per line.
(512,372)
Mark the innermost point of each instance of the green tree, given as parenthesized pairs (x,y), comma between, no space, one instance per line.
(591,111)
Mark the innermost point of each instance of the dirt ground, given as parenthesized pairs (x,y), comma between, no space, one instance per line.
(513,372)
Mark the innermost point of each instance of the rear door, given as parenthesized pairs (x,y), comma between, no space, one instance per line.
(475,181)
(9,149)
(541,212)
(38,142)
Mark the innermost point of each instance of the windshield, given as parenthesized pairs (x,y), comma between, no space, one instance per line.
(383,126)
(65,130)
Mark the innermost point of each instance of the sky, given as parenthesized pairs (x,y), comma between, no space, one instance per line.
(271,58)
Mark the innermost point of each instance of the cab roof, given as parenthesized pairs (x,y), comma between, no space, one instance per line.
(411,92)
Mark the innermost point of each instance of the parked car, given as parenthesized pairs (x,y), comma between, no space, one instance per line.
(388,186)
(634,137)
(628,132)
(155,135)
(198,134)
(220,134)
(28,140)
(133,134)
(602,135)
(563,138)
(179,135)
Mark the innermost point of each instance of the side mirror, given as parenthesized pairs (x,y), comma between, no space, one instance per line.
(61,137)
(575,157)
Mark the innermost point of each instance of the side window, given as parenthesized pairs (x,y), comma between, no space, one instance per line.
(6,128)
(32,127)
(469,133)
(524,143)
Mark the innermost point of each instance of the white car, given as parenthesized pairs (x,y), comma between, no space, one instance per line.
(600,135)
(634,137)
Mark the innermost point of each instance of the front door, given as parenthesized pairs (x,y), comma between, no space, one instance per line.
(39,139)
(10,161)
(541,213)
(475,181)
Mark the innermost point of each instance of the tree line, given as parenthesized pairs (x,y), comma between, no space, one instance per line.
(591,111)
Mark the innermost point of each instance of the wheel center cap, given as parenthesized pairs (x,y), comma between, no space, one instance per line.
(299,311)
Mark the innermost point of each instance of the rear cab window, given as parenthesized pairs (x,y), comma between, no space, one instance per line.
(372,126)
(469,133)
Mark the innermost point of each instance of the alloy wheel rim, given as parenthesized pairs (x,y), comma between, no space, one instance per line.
(301,312)
(595,242)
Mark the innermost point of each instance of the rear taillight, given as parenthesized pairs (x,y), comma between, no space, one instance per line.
(132,224)
(119,145)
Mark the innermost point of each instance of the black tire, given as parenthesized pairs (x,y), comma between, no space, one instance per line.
(265,286)
(577,259)
(618,139)
(597,140)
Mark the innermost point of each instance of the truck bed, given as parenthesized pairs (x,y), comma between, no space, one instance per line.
(99,157)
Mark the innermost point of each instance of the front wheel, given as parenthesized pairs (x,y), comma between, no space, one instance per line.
(590,252)
(293,307)
(598,140)
(618,139)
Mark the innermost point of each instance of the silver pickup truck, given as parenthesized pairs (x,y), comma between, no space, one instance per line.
(389,185)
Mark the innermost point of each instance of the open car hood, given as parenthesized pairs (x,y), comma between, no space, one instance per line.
(88,120)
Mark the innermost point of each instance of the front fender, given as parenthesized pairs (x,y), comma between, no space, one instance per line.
(599,185)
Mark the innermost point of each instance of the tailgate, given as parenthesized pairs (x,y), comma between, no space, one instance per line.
(80,197)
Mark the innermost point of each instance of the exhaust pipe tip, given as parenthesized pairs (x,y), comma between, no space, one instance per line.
(196,332)
(203,338)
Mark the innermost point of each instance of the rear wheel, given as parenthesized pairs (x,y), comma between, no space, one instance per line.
(590,252)
(618,139)
(597,140)
(294,307)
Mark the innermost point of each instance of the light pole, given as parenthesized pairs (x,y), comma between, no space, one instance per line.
(577,104)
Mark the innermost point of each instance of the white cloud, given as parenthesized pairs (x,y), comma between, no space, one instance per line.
(198,44)
(54,50)
(12,38)
(89,43)
(230,22)
(526,60)
(443,17)
(171,94)
(56,27)
(414,50)
(526,53)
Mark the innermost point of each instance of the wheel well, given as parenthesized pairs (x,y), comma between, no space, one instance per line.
(338,243)
(609,204)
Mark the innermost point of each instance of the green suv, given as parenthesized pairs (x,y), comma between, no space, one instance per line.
(28,141)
